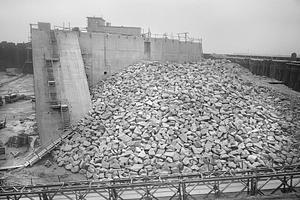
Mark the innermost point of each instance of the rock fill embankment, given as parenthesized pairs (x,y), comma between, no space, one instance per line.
(155,118)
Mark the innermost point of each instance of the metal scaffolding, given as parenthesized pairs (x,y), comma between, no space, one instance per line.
(221,184)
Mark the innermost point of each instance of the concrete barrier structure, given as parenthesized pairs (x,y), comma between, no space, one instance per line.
(282,70)
(97,24)
(60,84)
(66,61)
(164,49)
(105,54)
(72,75)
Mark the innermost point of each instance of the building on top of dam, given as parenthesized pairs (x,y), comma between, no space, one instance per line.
(97,24)
(67,61)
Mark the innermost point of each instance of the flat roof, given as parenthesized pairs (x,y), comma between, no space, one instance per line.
(96,18)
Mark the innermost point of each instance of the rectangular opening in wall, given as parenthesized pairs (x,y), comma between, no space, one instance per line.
(147,50)
(51,83)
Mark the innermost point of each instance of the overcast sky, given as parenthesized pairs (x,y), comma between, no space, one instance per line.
(226,26)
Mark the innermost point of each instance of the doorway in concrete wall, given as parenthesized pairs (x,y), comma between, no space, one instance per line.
(147,50)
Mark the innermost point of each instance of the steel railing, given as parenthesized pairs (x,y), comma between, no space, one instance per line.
(259,182)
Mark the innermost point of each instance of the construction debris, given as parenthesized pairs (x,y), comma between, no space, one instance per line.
(15,154)
(14,97)
(48,163)
(18,141)
(155,118)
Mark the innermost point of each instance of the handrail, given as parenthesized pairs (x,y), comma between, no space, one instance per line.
(283,179)
(171,37)
(147,35)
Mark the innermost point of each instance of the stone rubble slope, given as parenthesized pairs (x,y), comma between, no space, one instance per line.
(161,118)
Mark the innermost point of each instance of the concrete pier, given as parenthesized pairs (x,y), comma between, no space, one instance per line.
(75,88)
(60,84)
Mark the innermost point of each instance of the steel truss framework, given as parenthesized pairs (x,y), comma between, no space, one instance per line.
(259,182)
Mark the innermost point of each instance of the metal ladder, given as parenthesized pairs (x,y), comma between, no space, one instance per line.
(55,104)
(52,91)
(65,116)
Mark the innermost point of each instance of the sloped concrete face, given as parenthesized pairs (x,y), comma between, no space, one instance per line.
(73,78)
(68,79)
(48,120)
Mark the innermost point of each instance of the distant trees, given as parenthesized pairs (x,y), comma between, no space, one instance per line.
(12,55)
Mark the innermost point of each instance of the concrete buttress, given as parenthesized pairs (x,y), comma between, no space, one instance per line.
(60,83)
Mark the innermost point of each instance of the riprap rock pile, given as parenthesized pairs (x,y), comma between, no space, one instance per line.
(155,118)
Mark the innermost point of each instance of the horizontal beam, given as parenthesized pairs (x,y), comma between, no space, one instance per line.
(146,182)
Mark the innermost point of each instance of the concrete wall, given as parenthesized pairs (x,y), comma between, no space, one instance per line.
(73,78)
(48,120)
(92,49)
(93,55)
(175,51)
(106,54)
(122,51)
(136,31)
(283,70)
(157,49)
(97,24)
(71,86)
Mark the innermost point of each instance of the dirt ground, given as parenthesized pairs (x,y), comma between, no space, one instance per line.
(20,116)
(23,85)
(39,173)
